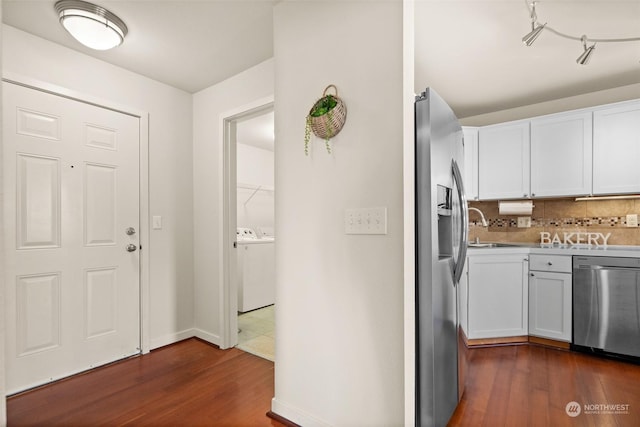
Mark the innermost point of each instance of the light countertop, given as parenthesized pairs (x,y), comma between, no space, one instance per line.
(535,248)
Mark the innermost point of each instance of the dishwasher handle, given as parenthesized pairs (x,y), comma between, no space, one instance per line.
(605,267)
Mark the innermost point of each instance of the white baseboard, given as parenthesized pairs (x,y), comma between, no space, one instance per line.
(207,336)
(296,415)
(171,338)
(183,335)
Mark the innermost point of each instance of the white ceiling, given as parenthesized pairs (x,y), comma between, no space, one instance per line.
(189,44)
(257,131)
(470,51)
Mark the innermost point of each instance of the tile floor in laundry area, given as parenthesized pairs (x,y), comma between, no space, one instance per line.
(257,332)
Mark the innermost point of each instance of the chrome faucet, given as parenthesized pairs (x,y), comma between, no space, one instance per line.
(484,221)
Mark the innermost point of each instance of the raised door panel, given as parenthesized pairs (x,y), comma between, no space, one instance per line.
(503,161)
(561,155)
(100,205)
(38,195)
(616,149)
(37,313)
(100,306)
(550,305)
(37,124)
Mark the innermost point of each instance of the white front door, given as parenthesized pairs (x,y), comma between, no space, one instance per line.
(71,185)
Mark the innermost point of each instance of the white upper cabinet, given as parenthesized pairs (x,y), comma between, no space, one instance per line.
(561,155)
(503,161)
(616,149)
(470,162)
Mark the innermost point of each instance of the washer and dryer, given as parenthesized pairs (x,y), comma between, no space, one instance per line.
(256,270)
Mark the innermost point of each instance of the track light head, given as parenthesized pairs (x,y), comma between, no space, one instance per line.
(533,35)
(585,56)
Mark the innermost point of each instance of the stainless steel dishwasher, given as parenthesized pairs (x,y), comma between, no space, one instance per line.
(606,306)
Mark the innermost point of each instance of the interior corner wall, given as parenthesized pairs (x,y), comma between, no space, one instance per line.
(339,297)
(170,163)
(250,86)
(592,99)
(3,405)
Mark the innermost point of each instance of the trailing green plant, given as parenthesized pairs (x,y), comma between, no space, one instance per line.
(323,106)
(307,135)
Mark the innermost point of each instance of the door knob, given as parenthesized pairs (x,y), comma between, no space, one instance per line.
(130,231)
(131,247)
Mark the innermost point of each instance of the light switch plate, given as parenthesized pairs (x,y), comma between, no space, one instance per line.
(632,220)
(365,221)
(156,222)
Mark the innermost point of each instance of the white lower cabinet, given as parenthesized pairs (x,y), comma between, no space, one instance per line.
(550,297)
(497,296)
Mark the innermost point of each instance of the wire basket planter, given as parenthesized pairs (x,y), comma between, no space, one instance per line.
(325,119)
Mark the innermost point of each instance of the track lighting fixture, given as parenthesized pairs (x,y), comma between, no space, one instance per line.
(537,28)
(583,59)
(533,35)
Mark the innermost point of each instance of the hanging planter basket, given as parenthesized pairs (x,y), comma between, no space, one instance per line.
(325,119)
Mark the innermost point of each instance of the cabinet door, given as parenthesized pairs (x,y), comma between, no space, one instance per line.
(561,155)
(497,296)
(550,305)
(616,149)
(503,161)
(463,292)
(471,162)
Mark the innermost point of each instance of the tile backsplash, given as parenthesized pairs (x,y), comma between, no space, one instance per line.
(558,216)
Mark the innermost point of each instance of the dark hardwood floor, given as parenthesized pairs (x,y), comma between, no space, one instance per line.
(190,383)
(531,385)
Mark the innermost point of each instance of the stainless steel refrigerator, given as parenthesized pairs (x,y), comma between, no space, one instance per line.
(441,244)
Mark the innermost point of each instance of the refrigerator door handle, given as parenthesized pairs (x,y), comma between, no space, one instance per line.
(464,218)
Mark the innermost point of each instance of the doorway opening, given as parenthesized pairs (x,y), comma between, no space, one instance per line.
(249,255)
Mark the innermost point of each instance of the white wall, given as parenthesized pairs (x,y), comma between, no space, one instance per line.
(208,105)
(170,163)
(592,99)
(255,167)
(3,409)
(339,322)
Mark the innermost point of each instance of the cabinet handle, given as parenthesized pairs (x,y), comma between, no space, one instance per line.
(533,194)
(549,263)
(525,195)
(531,274)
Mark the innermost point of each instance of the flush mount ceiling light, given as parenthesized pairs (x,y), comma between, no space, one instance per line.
(585,56)
(90,24)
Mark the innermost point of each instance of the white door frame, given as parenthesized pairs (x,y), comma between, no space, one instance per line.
(229,290)
(144,182)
